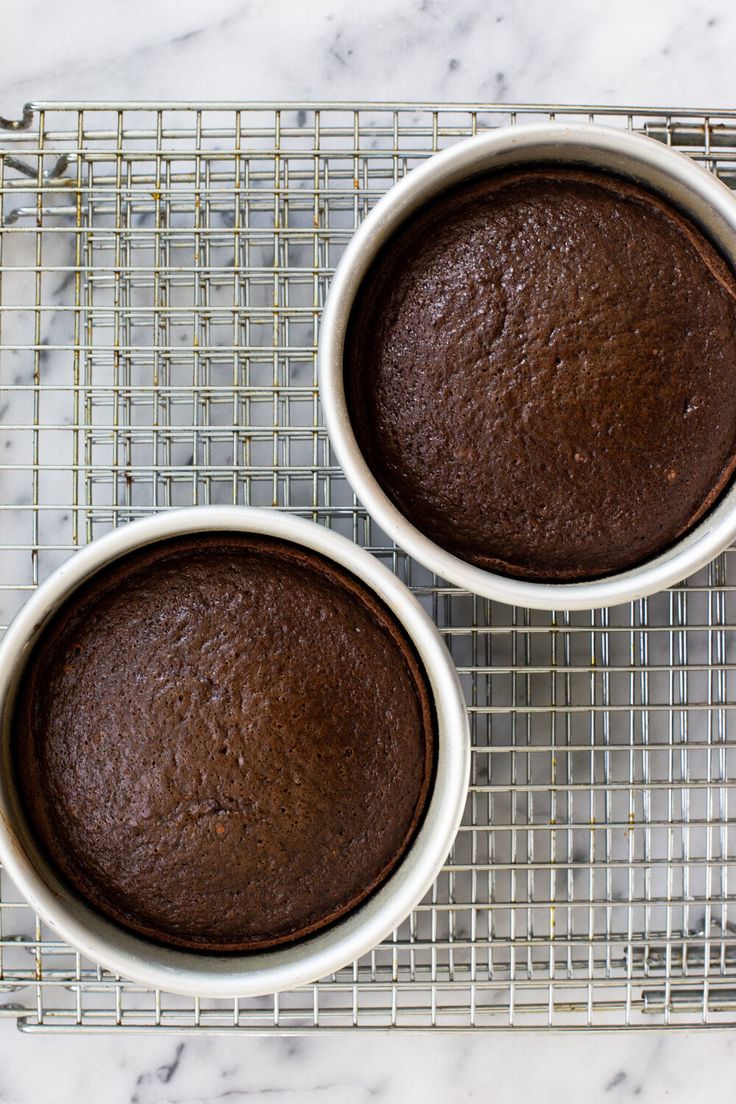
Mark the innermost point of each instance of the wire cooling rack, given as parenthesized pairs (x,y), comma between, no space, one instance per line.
(162,272)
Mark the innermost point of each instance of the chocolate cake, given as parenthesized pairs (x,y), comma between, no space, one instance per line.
(224,742)
(541,373)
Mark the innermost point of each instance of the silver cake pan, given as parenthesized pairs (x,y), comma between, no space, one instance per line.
(201,974)
(673,176)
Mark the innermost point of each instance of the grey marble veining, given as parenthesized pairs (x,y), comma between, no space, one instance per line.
(650,1069)
(660,51)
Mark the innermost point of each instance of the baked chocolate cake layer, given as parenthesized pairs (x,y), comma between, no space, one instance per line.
(541,373)
(224,742)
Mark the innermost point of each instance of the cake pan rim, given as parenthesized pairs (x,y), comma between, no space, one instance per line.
(253,974)
(674,176)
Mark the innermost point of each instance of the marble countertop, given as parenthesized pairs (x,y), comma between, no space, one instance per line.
(665,51)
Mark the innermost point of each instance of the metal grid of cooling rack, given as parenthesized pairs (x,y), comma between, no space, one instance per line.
(162,272)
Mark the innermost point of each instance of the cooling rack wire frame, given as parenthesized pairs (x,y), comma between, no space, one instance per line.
(162,272)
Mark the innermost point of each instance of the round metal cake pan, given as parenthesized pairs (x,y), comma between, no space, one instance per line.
(673,176)
(231,975)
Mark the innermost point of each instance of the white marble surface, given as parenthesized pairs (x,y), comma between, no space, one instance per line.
(651,1069)
(632,51)
(658,51)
